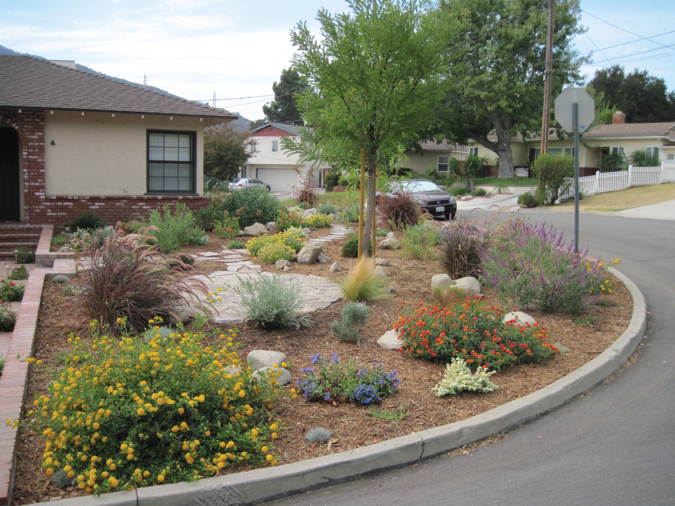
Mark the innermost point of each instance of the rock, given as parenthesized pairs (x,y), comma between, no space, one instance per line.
(282,380)
(232,370)
(318,434)
(183,313)
(382,261)
(414,265)
(255,229)
(281,263)
(287,268)
(390,244)
(336,267)
(310,253)
(379,272)
(309,212)
(323,259)
(563,349)
(241,233)
(307,230)
(390,290)
(258,359)
(64,249)
(390,341)
(271,226)
(469,284)
(390,235)
(520,318)
(441,281)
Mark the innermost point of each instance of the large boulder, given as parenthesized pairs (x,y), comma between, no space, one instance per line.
(336,267)
(258,359)
(519,318)
(441,282)
(390,244)
(271,226)
(255,229)
(470,285)
(310,253)
(390,340)
(281,263)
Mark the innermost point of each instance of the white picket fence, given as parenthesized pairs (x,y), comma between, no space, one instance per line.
(612,181)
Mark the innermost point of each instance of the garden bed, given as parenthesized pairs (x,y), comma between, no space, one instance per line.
(352,426)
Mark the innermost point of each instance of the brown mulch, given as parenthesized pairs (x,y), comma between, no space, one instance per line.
(352,426)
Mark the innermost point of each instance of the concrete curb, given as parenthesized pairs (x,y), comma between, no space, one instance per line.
(270,483)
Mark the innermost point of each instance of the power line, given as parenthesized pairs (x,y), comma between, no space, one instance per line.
(624,30)
(631,41)
(603,54)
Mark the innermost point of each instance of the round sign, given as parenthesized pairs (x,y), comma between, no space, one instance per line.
(563,108)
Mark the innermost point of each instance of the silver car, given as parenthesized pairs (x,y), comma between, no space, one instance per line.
(247,182)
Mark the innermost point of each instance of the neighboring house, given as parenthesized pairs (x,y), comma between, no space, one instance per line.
(658,139)
(281,170)
(73,142)
(434,154)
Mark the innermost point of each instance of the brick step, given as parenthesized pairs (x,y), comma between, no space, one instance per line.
(19,227)
(20,237)
(11,246)
(7,256)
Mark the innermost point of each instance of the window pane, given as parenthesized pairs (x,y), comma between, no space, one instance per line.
(156,170)
(184,171)
(156,140)
(442,159)
(171,154)
(156,153)
(656,152)
(156,184)
(170,140)
(171,184)
(184,140)
(170,170)
(184,154)
(184,185)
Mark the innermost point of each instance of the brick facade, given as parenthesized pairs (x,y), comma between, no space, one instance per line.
(57,210)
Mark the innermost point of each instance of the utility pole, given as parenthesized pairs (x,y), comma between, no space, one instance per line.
(548,76)
(214,99)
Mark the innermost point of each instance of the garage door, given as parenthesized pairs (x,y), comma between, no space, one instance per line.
(281,180)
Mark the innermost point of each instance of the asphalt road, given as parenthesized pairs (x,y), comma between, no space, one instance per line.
(615,445)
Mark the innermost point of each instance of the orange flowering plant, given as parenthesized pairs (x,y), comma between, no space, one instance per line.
(473,331)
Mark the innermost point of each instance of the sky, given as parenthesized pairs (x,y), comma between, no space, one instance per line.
(237,49)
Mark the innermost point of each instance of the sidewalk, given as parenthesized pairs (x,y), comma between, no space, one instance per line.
(661,211)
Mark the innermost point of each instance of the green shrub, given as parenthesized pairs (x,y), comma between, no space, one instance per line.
(70,290)
(304,205)
(350,249)
(236,244)
(128,278)
(175,230)
(461,245)
(458,378)
(472,331)
(61,279)
(206,217)
(361,284)
(327,208)
(227,227)
(272,302)
(7,318)
(459,191)
(274,251)
(11,291)
(479,192)
(400,210)
(354,382)
(252,205)
(354,318)
(554,173)
(298,232)
(331,179)
(287,219)
(59,240)
(640,158)
(86,221)
(528,200)
(18,274)
(381,232)
(181,419)
(292,240)
(350,214)
(25,256)
(420,240)
(319,220)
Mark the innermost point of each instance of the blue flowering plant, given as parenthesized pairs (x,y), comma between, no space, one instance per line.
(332,381)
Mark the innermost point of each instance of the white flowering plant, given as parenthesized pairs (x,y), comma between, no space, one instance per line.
(458,378)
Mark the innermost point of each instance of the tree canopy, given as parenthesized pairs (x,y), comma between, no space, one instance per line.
(372,78)
(494,71)
(225,150)
(641,97)
(284,109)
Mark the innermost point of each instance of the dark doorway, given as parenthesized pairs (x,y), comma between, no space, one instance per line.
(10,203)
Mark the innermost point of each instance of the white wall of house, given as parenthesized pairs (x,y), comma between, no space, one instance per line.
(101,154)
(420,162)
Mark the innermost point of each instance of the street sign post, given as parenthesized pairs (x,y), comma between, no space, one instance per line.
(575,111)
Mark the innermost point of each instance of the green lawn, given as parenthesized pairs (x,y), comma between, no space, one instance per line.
(513,181)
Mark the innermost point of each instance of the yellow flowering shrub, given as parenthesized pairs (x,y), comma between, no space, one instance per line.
(319,220)
(123,413)
(290,239)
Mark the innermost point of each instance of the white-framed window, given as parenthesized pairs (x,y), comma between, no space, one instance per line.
(171,161)
(442,164)
(253,146)
(617,151)
(473,151)
(653,151)
(534,154)
(555,151)
(671,157)
(569,151)
(275,145)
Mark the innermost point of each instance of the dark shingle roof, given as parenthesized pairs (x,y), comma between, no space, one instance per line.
(30,82)
(443,146)
(630,130)
(291,129)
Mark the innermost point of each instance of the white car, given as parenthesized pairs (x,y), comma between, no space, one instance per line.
(247,182)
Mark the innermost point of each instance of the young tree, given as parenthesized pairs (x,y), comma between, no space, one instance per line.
(225,150)
(494,70)
(284,109)
(372,78)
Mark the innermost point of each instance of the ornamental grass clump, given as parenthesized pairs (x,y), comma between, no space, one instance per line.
(533,266)
(362,284)
(458,378)
(400,210)
(472,331)
(461,243)
(272,302)
(128,278)
(331,381)
(124,413)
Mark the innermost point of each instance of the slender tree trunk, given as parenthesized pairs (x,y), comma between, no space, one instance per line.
(504,153)
(370,208)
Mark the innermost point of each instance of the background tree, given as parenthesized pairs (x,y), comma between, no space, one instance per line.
(494,70)
(225,150)
(284,109)
(256,123)
(372,78)
(641,97)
